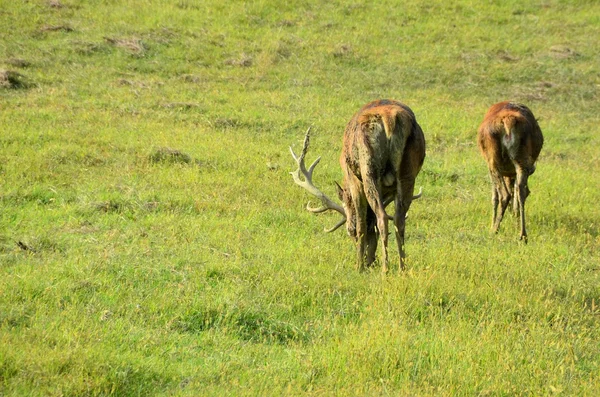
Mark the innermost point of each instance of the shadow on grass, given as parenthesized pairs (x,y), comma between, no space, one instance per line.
(247,325)
(115,379)
(574,224)
(10,79)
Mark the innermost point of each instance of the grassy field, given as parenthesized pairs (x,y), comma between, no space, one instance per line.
(152,241)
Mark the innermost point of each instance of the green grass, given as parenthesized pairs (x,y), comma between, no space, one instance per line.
(130,269)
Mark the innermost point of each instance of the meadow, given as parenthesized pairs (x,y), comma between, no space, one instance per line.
(152,241)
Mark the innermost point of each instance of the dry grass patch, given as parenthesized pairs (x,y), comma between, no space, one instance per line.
(244,60)
(170,156)
(12,79)
(55,4)
(18,62)
(133,45)
(56,28)
(563,52)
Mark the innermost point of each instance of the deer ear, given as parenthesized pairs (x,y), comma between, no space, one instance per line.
(340,191)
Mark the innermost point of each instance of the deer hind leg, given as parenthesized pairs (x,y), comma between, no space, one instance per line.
(501,195)
(372,192)
(522,191)
(511,185)
(382,227)
(495,202)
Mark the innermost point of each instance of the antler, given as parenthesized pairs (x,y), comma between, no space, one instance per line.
(388,200)
(417,196)
(327,203)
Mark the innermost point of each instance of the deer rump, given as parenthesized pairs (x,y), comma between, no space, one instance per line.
(384,150)
(510,135)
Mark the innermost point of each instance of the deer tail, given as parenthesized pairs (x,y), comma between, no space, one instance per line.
(509,123)
(510,138)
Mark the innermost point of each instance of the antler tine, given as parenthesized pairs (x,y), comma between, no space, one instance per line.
(418,195)
(337,226)
(316,210)
(390,199)
(306,142)
(307,183)
(313,165)
(300,160)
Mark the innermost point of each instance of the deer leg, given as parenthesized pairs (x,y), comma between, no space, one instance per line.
(372,191)
(360,252)
(376,204)
(505,198)
(399,227)
(522,193)
(495,202)
(382,227)
(372,238)
(402,202)
(511,185)
(360,207)
(503,193)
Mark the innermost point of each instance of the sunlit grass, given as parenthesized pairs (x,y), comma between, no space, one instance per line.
(126,269)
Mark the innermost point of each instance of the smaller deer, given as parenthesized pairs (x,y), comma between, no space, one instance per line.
(510,140)
(383,151)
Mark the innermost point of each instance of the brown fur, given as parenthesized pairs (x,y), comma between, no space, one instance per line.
(510,140)
(383,151)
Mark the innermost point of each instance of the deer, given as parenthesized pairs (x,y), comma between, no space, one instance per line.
(510,141)
(383,150)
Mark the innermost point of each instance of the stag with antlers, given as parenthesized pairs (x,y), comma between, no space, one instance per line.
(383,152)
(510,140)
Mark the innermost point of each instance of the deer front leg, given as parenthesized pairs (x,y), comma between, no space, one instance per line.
(376,203)
(360,252)
(360,206)
(399,227)
(372,239)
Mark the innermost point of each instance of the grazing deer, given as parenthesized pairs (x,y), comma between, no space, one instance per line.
(383,151)
(510,140)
